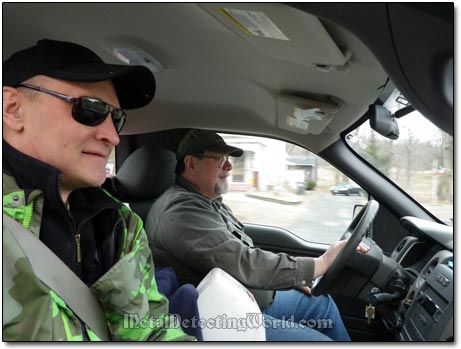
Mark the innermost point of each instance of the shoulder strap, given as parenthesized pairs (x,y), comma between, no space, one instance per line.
(57,276)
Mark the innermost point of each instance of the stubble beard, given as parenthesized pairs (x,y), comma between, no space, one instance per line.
(222,188)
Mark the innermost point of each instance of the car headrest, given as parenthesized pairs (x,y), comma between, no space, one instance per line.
(146,173)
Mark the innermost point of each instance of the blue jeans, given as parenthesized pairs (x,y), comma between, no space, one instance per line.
(295,316)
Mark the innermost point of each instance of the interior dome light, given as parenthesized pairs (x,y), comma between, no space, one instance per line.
(135,56)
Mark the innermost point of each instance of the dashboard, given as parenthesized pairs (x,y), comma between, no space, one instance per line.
(426,312)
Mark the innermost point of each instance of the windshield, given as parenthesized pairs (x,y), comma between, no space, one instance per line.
(420,161)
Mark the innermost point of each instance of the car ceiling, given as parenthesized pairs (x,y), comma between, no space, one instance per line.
(213,74)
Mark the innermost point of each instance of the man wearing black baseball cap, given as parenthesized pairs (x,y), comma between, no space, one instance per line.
(63,109)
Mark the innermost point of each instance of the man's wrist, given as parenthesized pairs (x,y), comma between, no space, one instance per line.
(319,268)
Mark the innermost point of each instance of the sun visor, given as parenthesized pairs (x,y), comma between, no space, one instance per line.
(305,115)
(282,32)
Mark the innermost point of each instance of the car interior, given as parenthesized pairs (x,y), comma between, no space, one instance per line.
(307,74)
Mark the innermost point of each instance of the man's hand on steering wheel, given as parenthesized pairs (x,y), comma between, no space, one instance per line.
(333,261)
(324,262)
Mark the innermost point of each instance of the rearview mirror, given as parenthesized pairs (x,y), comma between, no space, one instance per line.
(383,122)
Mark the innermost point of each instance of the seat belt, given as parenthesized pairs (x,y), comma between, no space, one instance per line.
(60,278)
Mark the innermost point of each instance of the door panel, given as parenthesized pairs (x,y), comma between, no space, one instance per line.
(281,240)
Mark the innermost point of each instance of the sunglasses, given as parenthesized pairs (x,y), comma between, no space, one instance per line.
(86,110)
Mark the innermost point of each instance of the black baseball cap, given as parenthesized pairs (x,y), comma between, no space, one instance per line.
(196,141)
(135,85)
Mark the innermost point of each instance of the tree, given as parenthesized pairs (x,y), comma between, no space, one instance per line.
(378,152)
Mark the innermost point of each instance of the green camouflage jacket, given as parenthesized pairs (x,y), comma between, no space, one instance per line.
(126,292)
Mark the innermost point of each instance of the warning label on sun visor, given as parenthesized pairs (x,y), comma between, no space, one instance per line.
(254,23)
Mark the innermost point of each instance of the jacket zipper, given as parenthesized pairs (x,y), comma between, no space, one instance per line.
(79,254)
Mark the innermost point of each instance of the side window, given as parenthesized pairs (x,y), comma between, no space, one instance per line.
(110,166)
(280,184)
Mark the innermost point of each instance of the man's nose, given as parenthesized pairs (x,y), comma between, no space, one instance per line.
(227,166)
(107,132)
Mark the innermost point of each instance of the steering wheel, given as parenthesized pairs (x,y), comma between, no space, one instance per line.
(355,231)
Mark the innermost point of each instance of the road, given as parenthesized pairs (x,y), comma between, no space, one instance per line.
(320,217)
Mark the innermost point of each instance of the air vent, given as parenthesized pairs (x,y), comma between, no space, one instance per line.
(400,246)
(428,269)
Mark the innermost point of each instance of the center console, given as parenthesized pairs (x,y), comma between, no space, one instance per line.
(427,311)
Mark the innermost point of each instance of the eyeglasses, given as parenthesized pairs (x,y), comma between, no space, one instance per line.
(221,160)
(86,110)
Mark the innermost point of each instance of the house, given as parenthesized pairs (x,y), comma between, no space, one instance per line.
(266,164)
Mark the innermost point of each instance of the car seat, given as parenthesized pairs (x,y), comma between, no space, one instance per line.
(143,177)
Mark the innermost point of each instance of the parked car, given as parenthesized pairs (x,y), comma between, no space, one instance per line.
(346,188)
(333,82)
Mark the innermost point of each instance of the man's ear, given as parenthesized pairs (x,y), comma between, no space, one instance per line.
(12,115)
(189,163)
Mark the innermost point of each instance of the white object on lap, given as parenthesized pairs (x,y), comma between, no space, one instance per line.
(228,311)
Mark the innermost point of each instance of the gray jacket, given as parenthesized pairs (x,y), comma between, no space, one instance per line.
(194,234)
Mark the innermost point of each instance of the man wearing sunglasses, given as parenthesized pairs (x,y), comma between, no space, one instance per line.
(190,228)
(63,109)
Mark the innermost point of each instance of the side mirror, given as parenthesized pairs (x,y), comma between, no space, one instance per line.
(356,210)
(383,122)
